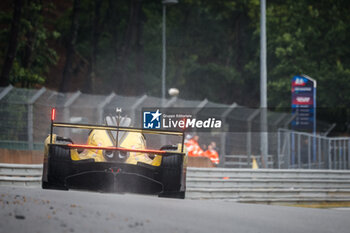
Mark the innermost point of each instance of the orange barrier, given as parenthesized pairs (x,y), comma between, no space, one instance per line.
(21,156)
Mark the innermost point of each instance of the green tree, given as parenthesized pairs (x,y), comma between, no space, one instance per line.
(33,55)
(313,39)
(12,43)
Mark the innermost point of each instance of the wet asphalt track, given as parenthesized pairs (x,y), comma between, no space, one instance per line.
(35,210)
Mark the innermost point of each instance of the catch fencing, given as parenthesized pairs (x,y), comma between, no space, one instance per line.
(25,121)
(305,150)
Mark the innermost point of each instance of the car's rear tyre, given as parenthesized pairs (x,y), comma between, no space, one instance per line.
(59,153)
(48,185)
(59,167)
(171,173)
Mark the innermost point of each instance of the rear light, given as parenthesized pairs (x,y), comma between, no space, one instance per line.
(53,114)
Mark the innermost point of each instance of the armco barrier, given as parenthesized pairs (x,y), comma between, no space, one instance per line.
(20,174)
(241,185)
(269,185)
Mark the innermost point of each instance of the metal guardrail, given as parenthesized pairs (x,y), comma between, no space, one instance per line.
(241,185)
(20,174)
(269,185)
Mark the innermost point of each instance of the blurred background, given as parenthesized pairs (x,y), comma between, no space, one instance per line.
(99,46)
(81,54)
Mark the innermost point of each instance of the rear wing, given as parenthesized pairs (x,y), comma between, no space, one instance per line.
(116,128)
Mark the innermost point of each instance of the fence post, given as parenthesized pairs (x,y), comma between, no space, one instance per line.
(329,153)
(30,126)
(222,154)
(336,155)
(289,132)
(30,118)
(224,115)
(249,135)
(66,111)
(293,148)
(319,153)
(249,142)
(299,152)
(166,105)
(338,145)
(278,148)
(198,108)
(309,152)
(340,154)
(348,153)
(289,149)
(275,124)
(136,105)
(345,159)
(101,106)
(343,154)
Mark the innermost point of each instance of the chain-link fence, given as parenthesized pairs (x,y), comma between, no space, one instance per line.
(25,121)
(305,150)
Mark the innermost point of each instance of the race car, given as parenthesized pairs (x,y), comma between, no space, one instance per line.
(115,159)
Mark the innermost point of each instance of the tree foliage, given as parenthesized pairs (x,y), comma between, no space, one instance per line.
(312,38)
(212,47)
(33,55)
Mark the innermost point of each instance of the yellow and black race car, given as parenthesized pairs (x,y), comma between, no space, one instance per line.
(115,159)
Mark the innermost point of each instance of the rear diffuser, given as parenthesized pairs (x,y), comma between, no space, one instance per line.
(109,181)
